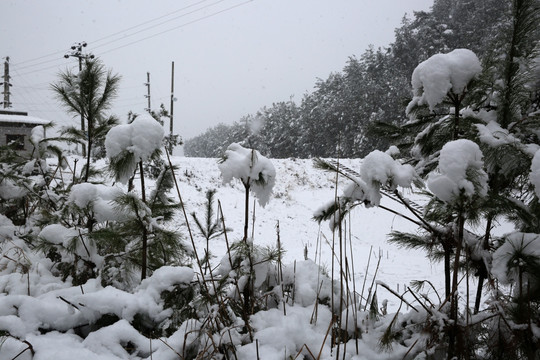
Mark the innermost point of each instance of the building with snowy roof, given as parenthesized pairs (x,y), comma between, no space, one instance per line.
(16,128)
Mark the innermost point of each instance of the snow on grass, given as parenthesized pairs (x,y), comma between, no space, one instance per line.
(35,300)
(301,190)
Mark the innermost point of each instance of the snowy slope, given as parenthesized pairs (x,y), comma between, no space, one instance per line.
(300,190)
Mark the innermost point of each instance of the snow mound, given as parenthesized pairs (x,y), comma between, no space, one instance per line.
(461,172)
(435,77)
(250,167)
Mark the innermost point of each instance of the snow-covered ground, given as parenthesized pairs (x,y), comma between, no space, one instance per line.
(299,191)
(38,300)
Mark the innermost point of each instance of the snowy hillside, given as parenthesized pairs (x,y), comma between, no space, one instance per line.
(299,191)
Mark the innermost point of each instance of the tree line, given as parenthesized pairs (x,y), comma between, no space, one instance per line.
(336,118)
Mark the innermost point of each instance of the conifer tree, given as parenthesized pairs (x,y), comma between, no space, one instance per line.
(88,94)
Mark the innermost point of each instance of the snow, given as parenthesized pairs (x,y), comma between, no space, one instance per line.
(58,234)
(251,168)
(379,170)
(457,160)
(111,340)
(98,197)
(379,167)
(23,119)
(9,190)
(37,134)
(393,151)
(141,138)
(165,278)
(534,176)
(513,254)
(31,307)
(435,77)
(283,336)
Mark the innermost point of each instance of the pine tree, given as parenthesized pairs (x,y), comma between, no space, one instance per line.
(88,94)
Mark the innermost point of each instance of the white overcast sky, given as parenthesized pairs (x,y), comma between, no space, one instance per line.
(232,57)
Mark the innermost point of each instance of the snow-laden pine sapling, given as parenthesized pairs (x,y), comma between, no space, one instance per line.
(257,175)
(461,184)
(254,171)
(128,146)
(202,281)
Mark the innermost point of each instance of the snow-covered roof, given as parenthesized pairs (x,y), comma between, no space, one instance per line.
(24,119)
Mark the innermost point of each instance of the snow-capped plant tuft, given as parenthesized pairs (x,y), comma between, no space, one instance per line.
(441,74)
(255,171)
(128,144)
(460,172)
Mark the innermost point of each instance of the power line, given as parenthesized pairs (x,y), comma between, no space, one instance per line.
(139,40)
(103,38)
(146,22)
(33,65)
(178,27)
(36,93)
(40,57)
(159,24)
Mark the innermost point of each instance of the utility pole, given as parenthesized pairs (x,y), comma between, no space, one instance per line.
(172,110)
(77,52)
(147,96)
(7,84)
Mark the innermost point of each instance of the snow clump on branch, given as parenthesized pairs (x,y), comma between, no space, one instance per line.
(98,197)
(254,171)
(517,250)
(133,142)
(461,172)
(434,78)
(380,169)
